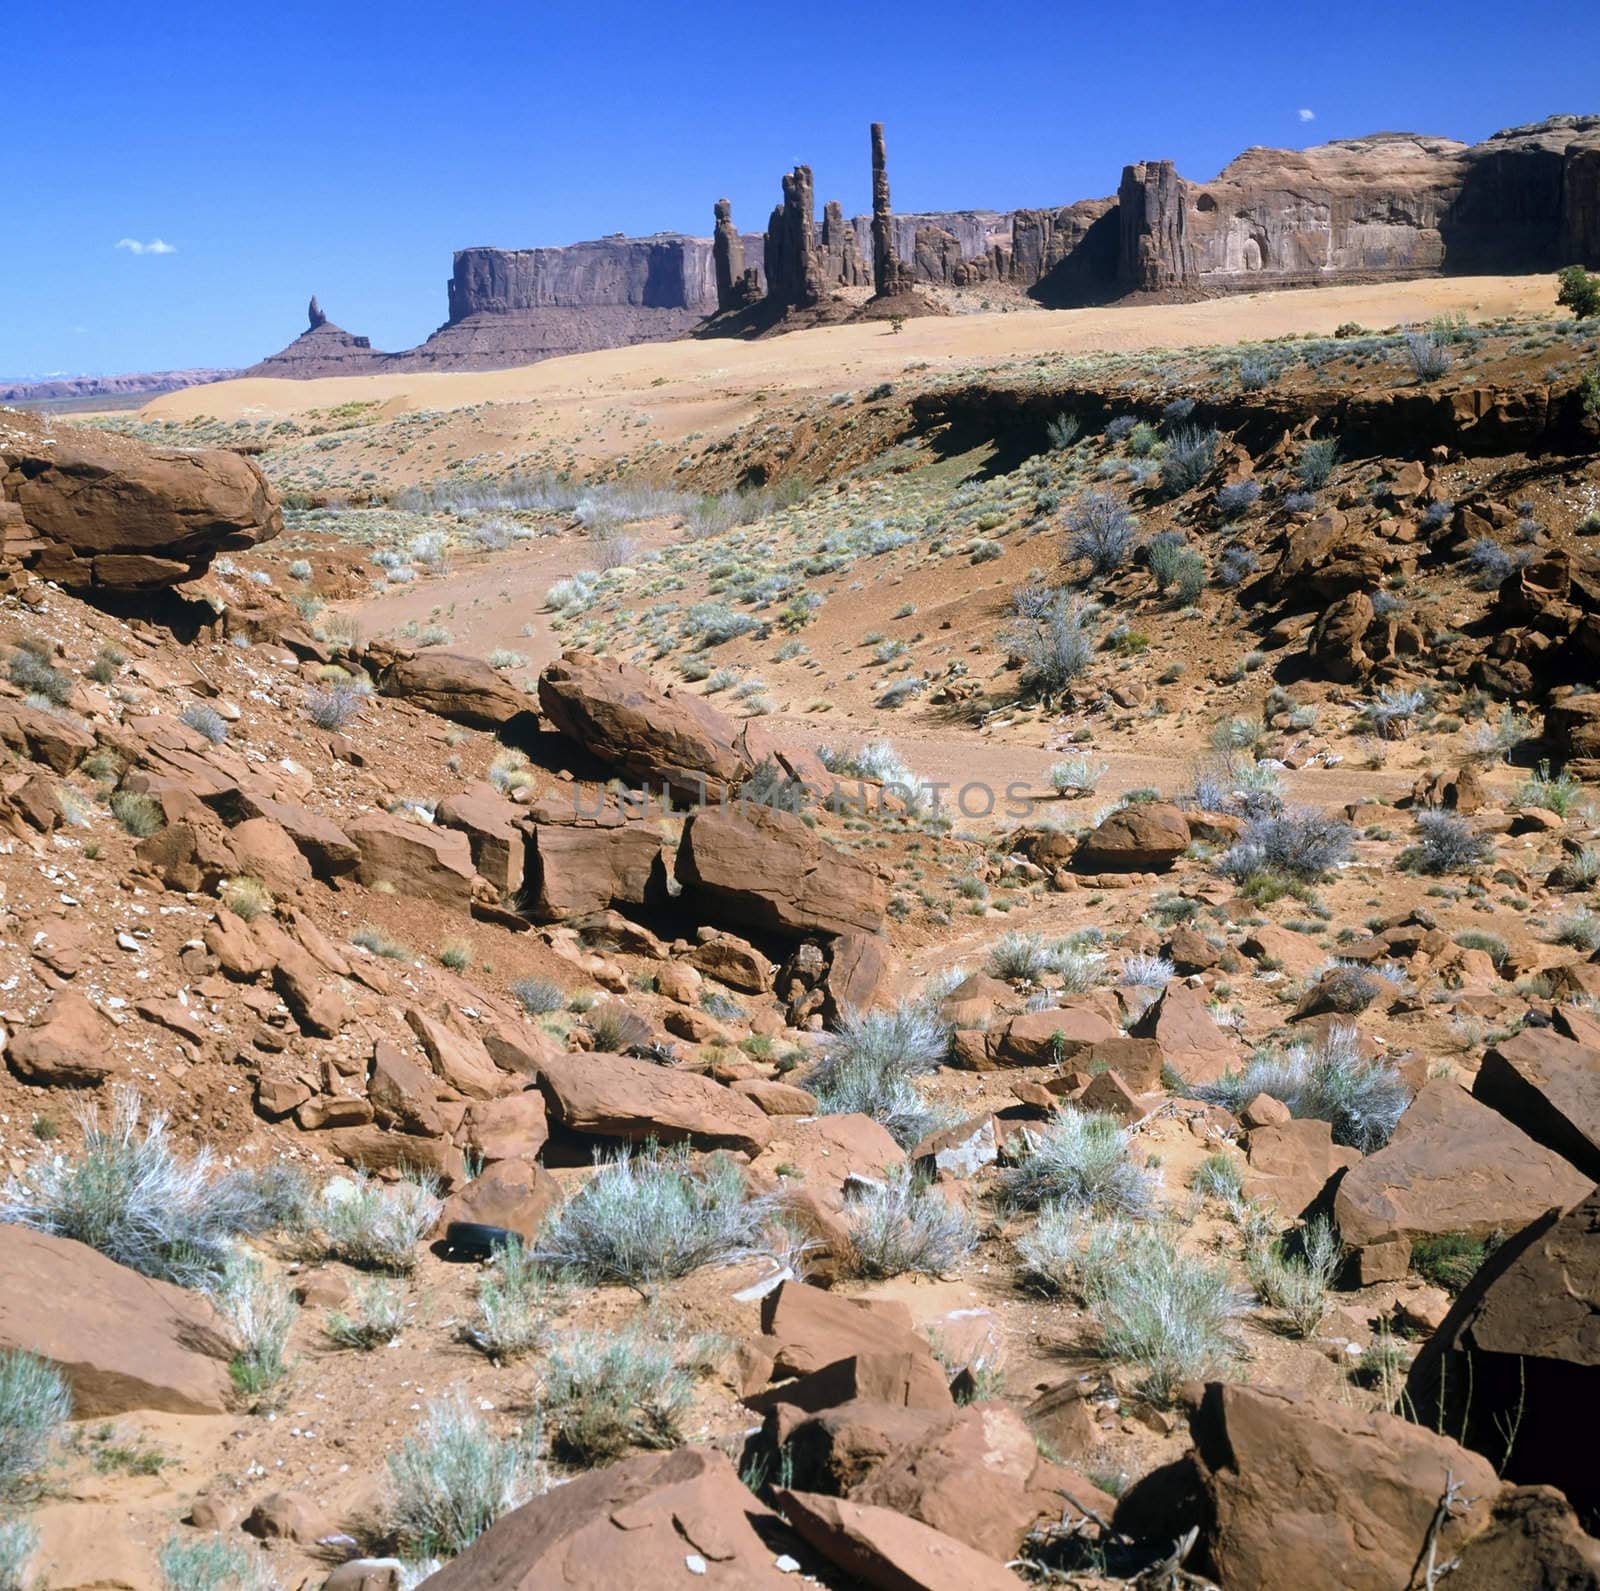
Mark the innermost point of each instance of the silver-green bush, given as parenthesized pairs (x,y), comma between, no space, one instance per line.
(652,1215)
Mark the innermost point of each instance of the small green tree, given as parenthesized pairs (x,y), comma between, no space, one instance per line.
(1580,292)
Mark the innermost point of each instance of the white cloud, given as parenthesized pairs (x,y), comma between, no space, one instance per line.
(1306,115)
(154,246)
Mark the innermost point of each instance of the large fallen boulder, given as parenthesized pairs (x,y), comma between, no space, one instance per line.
(659,1519)
(765,869)
(573,869)
(1191,1042)
(1146,837)
(72,1045)
(1313,1494)
(657,737)
(415,859)
(1550,1087)
(1519,1354)
(1317,1495)
(614,1096)
(881,1548)
(100,509)
(452,685)
(489,822)
(121,1340)
(1453,1165)
(977,1477)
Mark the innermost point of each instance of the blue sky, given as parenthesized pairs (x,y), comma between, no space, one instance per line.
(347,148)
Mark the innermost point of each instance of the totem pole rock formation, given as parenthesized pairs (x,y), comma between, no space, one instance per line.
(794,266)
(727,253)
(887,276)
(314,314)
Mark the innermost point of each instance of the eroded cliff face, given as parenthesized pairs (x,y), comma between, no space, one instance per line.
(669,272)
(1391,205)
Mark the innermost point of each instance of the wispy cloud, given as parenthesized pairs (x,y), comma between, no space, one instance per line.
(1306,115)
(154,246)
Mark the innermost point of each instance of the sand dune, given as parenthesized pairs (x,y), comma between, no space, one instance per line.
(701,373)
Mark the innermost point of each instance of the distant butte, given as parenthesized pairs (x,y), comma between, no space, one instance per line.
(1389,206)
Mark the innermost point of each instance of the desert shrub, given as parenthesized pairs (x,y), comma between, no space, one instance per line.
(1164,554)
(335,707)
(1120,427)
(209,1563)
(538,996)
(1327,1080)
(1490,561)
(1177,411)
(456,954)
(1429,356)
(367,937)
(138,813)
(652,1215)
(1316,462)
(206,721)
(1169,1312)
(1295,1278)
(1446,844)
(1580,929)
(1142,439)
(1236,565)
(1301,844)
(880,761)
(903,1224)
(1556,792)
(31,670)
(1237,497)
(1101,529)
(1492,945)
(604,1392)
(1018,958)
(375,1318)
(1190,457)
(1076,962)
(129,1195)
(713,623)
(515,1300)
(1254,374)
(1189,577)
(1348,990)
(1052,636)
(1449,1260)
(1391,714)
(246,897)
(1063,431)
(454,1477)
(260,1308)
(1218,1176)
(1579,292)
(1147,972)
(868,1064)
(18,1543)
(1076,776)
(1579,869)
(615,1029)
(509,770)
(1078,1158)
(35,1406)
(375,1227)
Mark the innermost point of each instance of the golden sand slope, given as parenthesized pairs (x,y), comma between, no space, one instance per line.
(708,385)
